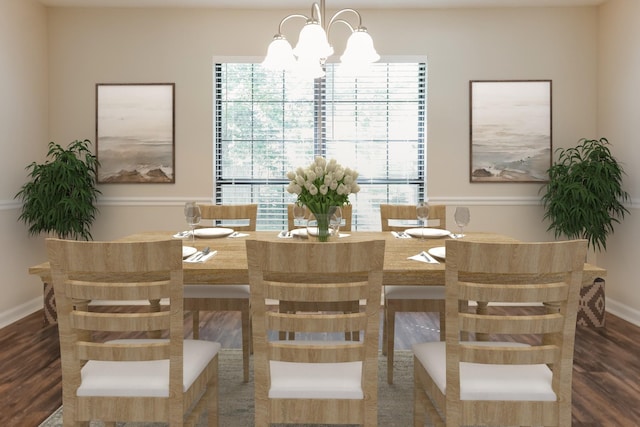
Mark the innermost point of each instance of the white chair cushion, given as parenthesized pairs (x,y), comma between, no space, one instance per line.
(414,292)
(216,291)
(316,380)
(488,382)
(144,378)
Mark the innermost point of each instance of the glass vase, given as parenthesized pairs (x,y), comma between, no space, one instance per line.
(319,225)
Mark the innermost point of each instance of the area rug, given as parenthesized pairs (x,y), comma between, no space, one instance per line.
(395,402)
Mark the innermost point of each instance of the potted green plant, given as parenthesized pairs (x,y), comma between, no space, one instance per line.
(61,194)
(584,197)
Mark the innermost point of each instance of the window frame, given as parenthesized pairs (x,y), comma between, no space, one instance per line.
(278,217)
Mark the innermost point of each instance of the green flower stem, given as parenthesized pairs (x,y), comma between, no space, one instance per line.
(323,227)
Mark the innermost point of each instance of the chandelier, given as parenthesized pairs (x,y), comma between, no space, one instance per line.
(312,50)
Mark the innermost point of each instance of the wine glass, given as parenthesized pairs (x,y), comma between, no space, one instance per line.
(299,213)
(193,216)
(422,212)
(335,222)
(462,217)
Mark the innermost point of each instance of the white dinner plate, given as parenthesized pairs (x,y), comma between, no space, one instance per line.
(427,233)
(299,232)
(187,251)
(213,232)
(438,252)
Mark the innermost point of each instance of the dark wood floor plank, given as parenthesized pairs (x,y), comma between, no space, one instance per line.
(606,381)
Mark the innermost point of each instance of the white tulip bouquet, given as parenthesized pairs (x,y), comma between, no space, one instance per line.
(323,184)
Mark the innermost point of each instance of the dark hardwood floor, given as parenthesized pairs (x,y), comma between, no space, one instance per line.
(606,381)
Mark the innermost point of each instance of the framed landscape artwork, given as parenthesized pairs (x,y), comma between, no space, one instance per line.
(135,133)
(510,130)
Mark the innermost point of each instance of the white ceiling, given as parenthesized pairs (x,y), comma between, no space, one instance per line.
(332,4)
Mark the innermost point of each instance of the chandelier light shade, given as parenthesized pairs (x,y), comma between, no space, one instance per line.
(307,59)
(312,42)
(360,48)
(279,55)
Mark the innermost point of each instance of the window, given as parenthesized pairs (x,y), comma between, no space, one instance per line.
(269,123)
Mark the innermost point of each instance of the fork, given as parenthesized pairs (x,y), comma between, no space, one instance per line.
(204,252)
(428,257)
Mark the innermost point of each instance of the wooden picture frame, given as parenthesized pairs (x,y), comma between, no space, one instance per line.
(510,130)
(135,132)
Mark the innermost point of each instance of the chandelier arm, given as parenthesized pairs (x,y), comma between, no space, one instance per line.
(286,18)
(335,19)
(342,21)
(317,11)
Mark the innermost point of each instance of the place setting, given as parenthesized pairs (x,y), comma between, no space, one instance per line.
(430,256)
(436,254)
(193,216)
(191,254)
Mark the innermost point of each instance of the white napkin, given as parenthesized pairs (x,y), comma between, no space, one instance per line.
(424,257)
(237,234)
(343,235)
(182,234)
(201,259)
(400,235)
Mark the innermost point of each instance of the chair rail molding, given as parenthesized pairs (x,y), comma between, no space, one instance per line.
(487,201)
(151,201)
(8,204)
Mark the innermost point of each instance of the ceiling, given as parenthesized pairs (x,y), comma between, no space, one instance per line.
(333,4)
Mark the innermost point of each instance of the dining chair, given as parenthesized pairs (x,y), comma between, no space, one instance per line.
(409,298)
(325,378)
(234,297)
(350,306)
(111,370)
(522,374)
(346,217)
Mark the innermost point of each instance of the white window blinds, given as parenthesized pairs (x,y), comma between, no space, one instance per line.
(268,123)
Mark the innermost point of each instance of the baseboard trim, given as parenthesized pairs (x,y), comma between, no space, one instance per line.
(23,310)
(622,311)
(13,315)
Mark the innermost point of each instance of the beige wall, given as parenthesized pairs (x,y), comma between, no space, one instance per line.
(23,139)
(89,46)
(618,106)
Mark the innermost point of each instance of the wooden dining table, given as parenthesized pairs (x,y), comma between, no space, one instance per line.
(229,265)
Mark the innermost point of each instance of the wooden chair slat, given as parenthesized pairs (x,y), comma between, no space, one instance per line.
(118,290)
(123,322)
(310,323)
(533,324)
(509,356)
(123,352)
(556,291)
